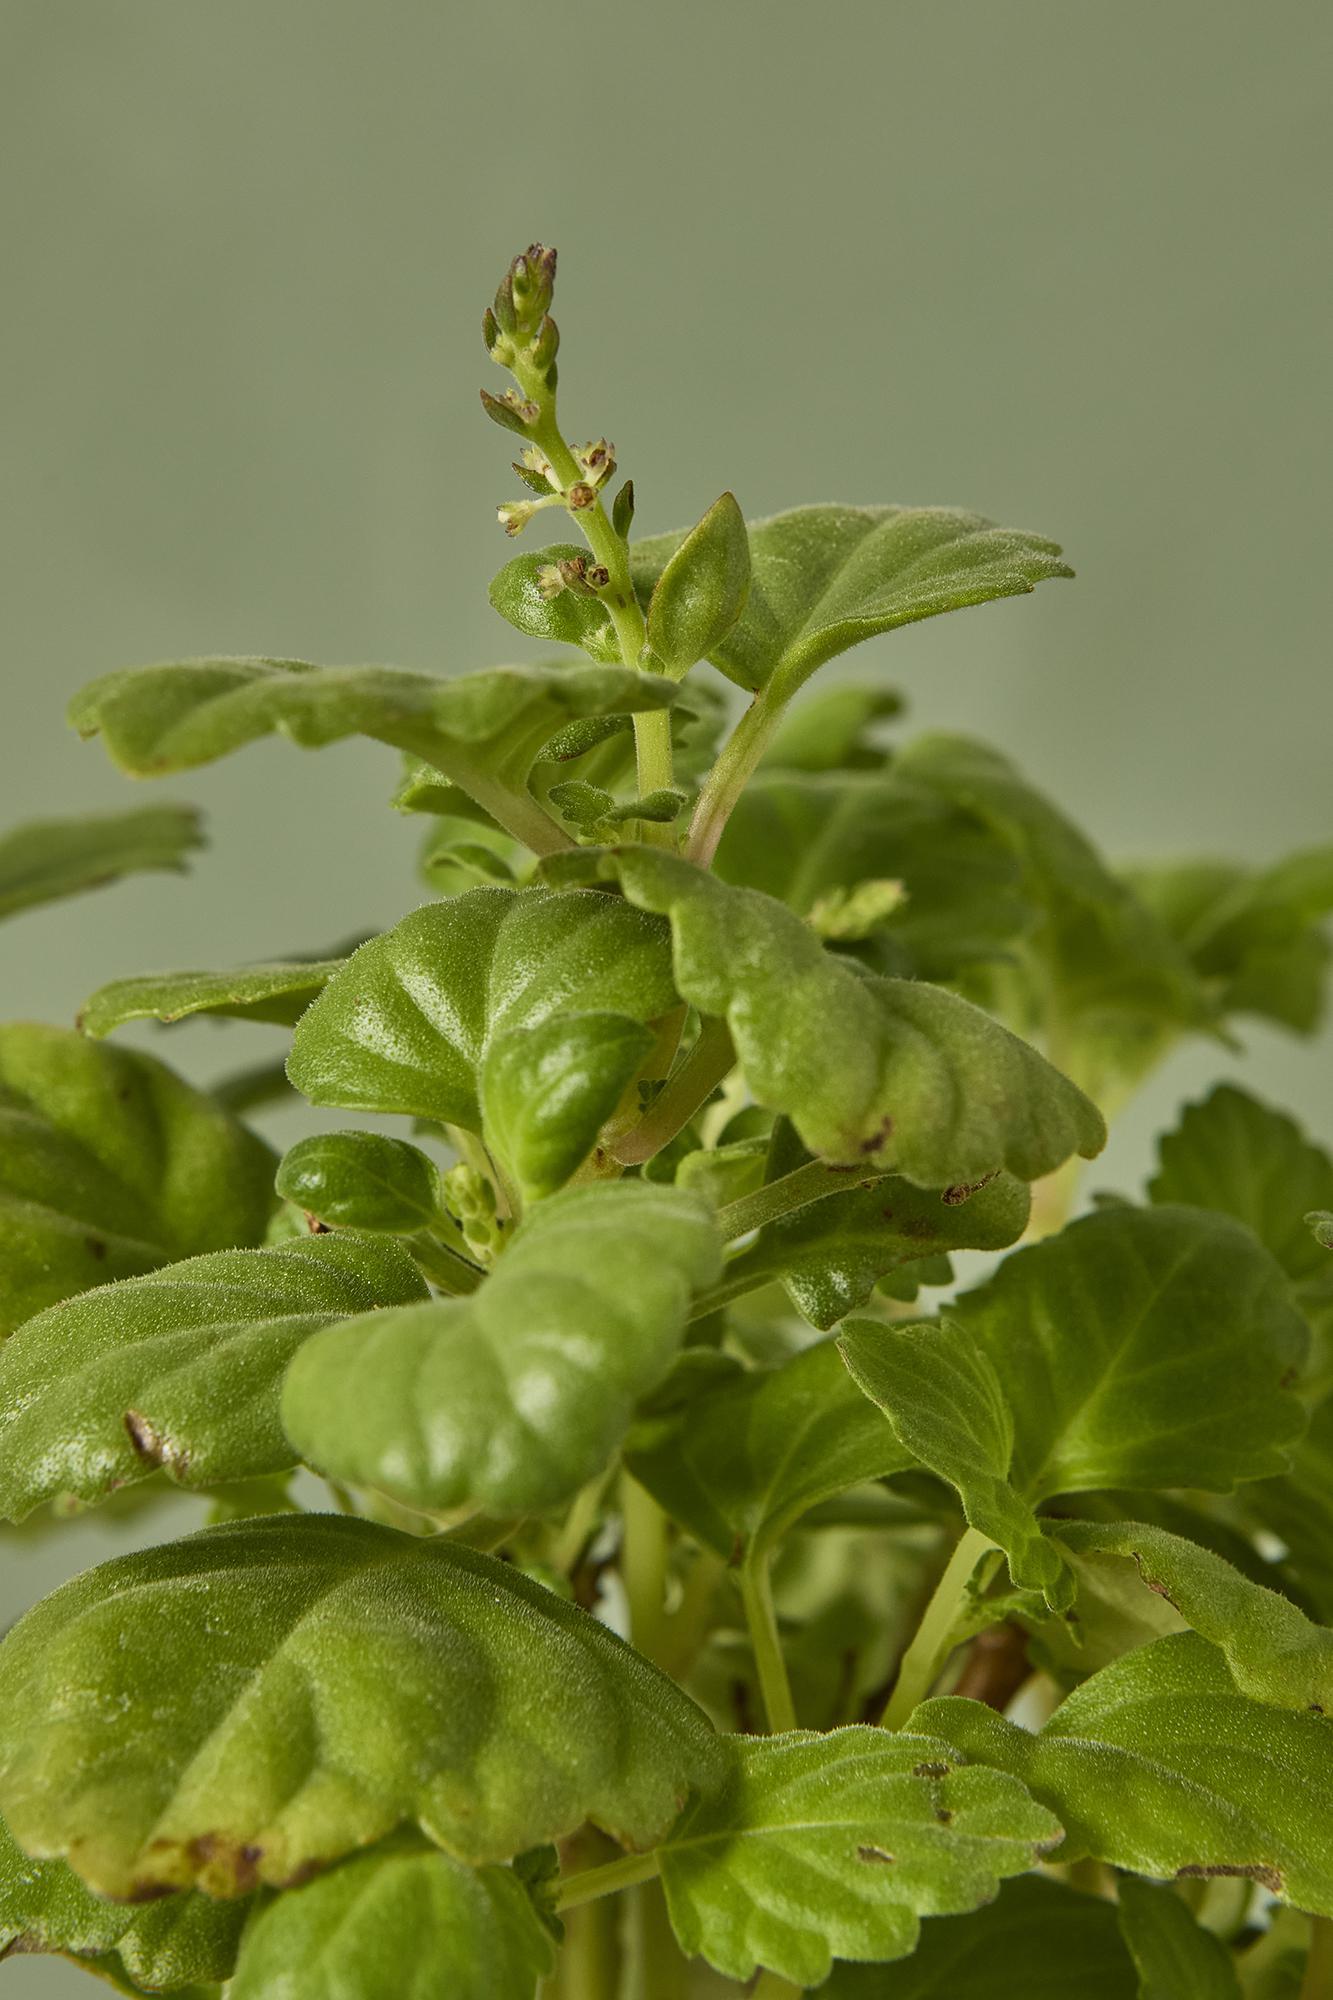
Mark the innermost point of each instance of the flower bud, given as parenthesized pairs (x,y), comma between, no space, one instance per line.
(509,410)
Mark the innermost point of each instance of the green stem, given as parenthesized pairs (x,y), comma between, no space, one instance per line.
(444,1267)
(1318,1981)
(689,1086)
(795,1190)
(643,1565)
(607,1880)
(933,1640)
(577,1525)
(590,1957)
(770,1987)
(729,776)
(757,1597)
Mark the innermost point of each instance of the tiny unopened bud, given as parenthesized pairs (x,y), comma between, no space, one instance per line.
(622,510)
(509,410)
(546,344)
(581,495)
(574,575)
(549,581)
(530,283)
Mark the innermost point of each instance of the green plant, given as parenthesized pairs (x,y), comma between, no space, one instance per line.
(1005,1614)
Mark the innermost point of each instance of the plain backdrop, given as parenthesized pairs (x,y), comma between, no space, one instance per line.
(1064,263)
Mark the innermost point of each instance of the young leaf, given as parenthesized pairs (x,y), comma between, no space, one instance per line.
(872,1072)
(51,858)
(529,592)
(305,1684)
(1037,1941)
(1176,1958)
(824,578)
(401,1921)
(166,1944)
(179,1369)
(517,1014)
(701,591)
(835,1846)
(361,1180)
(111,1165)
(278,992)
(515,1397)
(1161,1765)
(1274,1652)
(740,1463)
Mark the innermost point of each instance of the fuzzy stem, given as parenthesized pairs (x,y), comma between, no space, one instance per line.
(795,1190)
(607,1880)
(690,1085)
(1318,1981)
(729,776)
(933,1639)
(757,1597)
(643,1565)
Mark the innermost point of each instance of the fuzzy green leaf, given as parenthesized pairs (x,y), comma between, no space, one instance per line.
(513,1398)
(569,617)
(306,1683)
(361,1180)
(824,578)
(111,1165)
(166,1944)
(884,1072)
(50,858)
(180,1369)
(278,992)
(403,1922)
(1161,1765)
(835,1846)
(738,1464)
(1037,1941)
(1176,1958)
(701,591)
(517,1014)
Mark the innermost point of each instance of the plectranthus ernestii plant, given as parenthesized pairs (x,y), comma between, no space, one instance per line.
(649,1554)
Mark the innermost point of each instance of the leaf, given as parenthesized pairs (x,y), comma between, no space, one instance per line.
(111,1165)
(515,1397)
(279,992)
(303,1685)
(1037,1941)
(833,730)
(1176,1958)
(1159,1764)
(49,858)
(1274,1652)
(1298,1508)
(830,1255)
(517,1014)
(362,1180)
(883,1072)
(568,617)
(835,1845)
(44,1907)
(1141,1347)
(403,1922)
(739,1464)
(701,591)
(824,578)
(179,1369)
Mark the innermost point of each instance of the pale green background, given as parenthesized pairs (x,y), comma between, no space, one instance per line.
(1063,262)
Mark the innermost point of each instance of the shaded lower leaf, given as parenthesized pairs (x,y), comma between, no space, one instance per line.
(279,992)
(835,1846)
(1298,1508)
(49,858)
(1161,1765)
(403,1922)
(180,1369)
(109,1165)
(304,1684)
(1176,1958)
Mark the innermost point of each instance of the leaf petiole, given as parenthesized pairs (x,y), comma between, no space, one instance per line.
(761,1618)
(685,1091)
(607,1880)
(794,1190)
(934,1637)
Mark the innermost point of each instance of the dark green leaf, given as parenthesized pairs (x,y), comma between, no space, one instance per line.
(836,1845)
(701,591)
(1176,1958)
(361,1180)
(305,1684)
(513,1398)
(1298,1508)
(278,992)
(111,1165)
(50,858)
(403,1922)
(179,1369)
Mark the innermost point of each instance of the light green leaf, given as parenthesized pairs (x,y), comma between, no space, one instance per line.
(279,992)
(111,1165)
(836,1845)
(824,578)
(403,1922)
(361,1180)
(1275,1653)
(515,1397)
(830,1255)
(569,617)
(701,591)
(303,1685)
(517,1014)
(1176,1958)
(882,1072)
(1037,1941)
(740,1463)
(834,730)
(179,1369)
(1161,1765)
(50,858)
(1141,1347)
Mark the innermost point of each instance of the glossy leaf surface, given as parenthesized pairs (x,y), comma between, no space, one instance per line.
(361,1180)
(513,1398)
(307,1683)
(47,859)
(836,1845)
(278,992)
(180,1369)
(111,1165)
